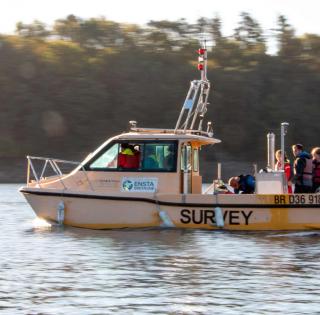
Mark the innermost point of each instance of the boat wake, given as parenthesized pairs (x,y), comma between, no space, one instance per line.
(39,223)
(297,234)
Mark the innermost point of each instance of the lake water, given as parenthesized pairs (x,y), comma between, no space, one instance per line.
(76,271)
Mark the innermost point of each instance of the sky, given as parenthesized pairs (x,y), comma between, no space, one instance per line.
(303,15)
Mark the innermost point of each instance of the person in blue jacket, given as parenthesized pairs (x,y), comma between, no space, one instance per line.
(244,184)
(302,170)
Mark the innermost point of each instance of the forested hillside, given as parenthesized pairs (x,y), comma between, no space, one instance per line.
(65,89)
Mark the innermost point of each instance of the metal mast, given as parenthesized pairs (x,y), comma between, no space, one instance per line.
(195,105)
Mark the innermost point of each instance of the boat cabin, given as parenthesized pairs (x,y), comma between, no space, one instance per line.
(148,160)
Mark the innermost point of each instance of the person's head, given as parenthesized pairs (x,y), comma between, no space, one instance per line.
(234,182)
(124,146)
(278,156)
(297,149)
(315,152)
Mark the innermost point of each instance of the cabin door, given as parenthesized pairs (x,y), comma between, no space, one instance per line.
(186,168)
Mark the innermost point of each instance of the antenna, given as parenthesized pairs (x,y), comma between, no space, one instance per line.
(202,60)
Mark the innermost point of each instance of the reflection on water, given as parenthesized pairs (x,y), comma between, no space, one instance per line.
(61,270)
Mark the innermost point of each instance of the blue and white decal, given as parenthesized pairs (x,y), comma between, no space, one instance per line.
(139,184)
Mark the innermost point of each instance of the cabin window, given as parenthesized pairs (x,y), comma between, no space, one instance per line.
(142,156)
(186,158)
(109,159)
(159,157)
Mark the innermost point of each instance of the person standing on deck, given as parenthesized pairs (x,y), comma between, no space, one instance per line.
(302,170)
(316,168)
(287,168)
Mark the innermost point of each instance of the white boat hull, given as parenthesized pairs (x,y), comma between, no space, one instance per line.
(240,212)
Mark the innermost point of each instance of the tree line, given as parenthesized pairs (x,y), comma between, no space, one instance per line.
(67,88)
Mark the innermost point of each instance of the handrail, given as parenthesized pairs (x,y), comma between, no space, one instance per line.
(52,159)
(54,166)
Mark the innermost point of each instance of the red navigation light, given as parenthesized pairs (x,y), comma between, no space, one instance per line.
(201,51)
(200,66)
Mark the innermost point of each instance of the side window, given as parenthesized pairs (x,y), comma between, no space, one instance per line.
(186,158)
(195,160)
(150,156)
(159,157)
(170,157)
(108,159)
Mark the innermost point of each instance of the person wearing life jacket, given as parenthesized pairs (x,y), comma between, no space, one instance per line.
(302,170)
(125,156)
(316,169)
(287,168)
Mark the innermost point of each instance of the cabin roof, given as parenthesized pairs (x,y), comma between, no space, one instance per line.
(200,137)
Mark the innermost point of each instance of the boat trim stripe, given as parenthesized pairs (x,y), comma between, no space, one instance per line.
(167,203)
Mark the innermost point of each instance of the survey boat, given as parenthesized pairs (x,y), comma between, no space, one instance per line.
(150,178)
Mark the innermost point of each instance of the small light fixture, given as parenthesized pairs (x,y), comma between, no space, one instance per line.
(132,124)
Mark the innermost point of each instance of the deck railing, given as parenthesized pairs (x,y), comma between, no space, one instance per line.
(53,164)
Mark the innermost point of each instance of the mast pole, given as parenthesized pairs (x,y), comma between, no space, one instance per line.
(195,105)
(284,129)
(205,59)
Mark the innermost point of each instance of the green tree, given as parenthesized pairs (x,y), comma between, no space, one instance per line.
(216,32)
(289,45)
(68,28)
(311,50)
(249,34)
(167,34)
(36,29)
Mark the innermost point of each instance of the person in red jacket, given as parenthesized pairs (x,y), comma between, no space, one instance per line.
(287,168)
(129,157)
(316,168)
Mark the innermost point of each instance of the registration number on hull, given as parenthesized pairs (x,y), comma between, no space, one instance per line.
(297,199)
